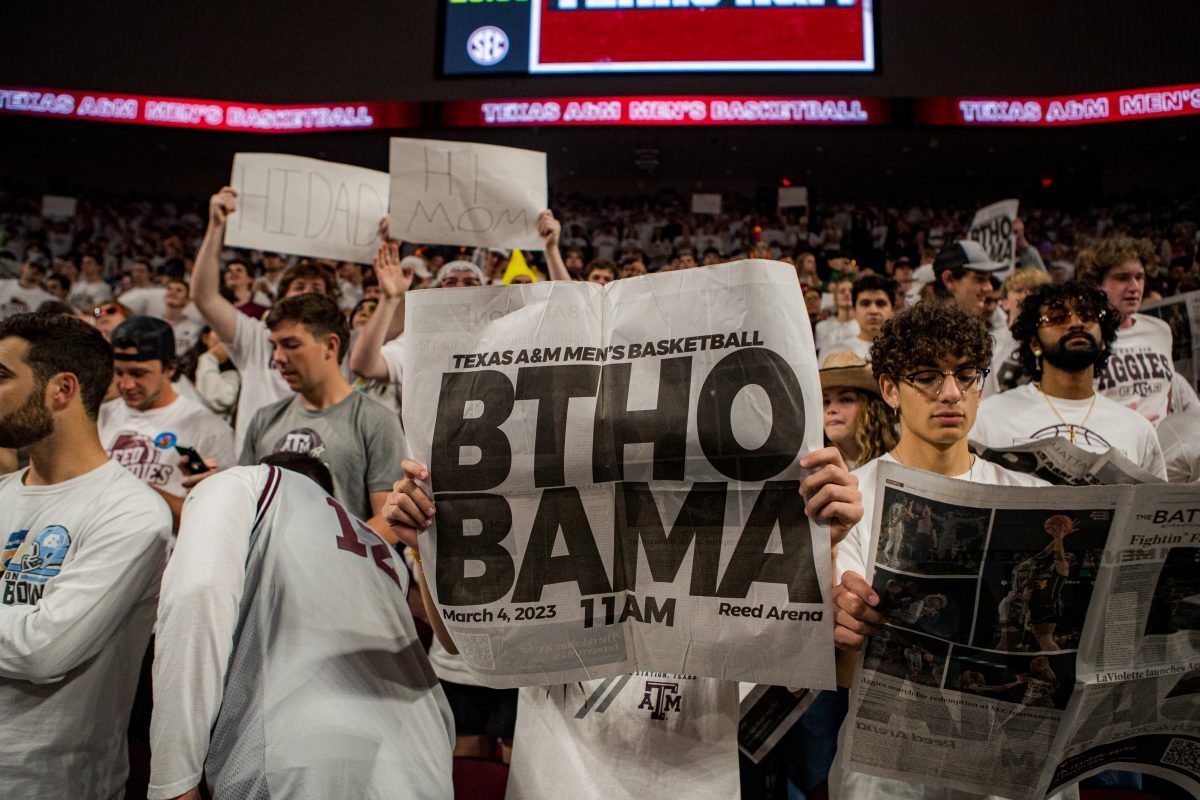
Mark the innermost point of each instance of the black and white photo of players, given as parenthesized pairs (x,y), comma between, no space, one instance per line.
(929,537)
(1038,573)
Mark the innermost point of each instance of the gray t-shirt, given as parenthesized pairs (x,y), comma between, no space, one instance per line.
(358,439)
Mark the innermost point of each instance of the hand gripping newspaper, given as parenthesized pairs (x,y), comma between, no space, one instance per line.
(1061,463)
(1036,636)
(615,475)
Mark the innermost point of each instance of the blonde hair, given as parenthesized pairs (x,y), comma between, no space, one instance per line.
(874,434)
(1025,278)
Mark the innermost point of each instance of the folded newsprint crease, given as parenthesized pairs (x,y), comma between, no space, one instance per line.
(1036,636)
(616,476)
(1059,462)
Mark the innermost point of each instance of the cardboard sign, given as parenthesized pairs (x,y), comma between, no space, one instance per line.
(290,204)
(793,196)
(469,194)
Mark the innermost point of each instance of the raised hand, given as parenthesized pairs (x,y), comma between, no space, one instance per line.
(549,228)
(221,205)
(393,279)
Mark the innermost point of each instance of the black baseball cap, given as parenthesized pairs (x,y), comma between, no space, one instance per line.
(965,254)
(151,337)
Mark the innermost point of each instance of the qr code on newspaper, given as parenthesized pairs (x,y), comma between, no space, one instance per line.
(476,649)
(1183,754)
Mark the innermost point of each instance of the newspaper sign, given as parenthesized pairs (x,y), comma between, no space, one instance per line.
(615,472)
(306,207)
(59,207)
(993,229)
(1061,463)
(1182,313)
(468,194)
(706,203)
(1039,636)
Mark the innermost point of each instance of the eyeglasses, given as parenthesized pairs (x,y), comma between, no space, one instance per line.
(1060,315)
(105,311)
(929,382)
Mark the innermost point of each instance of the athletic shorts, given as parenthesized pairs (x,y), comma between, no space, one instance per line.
(480,711)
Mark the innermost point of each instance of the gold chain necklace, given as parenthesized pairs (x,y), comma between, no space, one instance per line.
(1070,428)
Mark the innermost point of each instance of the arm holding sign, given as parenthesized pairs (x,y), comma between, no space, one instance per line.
(218,312)
(1027,254)
(408,511)
(366,361)
(549,229)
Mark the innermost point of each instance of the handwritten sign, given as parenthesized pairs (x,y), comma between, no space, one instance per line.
(466,194)
(289,204)
(993,229)
(793,197)
(55,206)
(706,203)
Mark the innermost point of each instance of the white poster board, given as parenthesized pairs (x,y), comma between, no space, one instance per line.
(793,196)
(706,203)
(56,206)
(469,194)
(306,207)
(993,229)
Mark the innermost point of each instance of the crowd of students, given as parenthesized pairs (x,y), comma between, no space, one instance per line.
(287,660)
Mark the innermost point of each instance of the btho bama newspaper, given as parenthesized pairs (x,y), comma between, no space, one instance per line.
(1036,636)
(616,476)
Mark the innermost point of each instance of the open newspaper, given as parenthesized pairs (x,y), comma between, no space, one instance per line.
(616,477)
(1059,462)
(1036,636)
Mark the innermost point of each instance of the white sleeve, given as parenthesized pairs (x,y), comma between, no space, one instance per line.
(392,352)
(1152,455)
(197,615)
(251,345)
(218,389)
(851,551)
(117,563)
(218,442)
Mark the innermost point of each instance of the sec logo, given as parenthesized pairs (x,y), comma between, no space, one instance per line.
(487,45)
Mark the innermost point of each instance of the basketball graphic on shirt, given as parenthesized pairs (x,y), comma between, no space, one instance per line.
(1082,435)
(305,441)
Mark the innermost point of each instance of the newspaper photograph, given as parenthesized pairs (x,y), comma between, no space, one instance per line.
(1036,636)
(615,472)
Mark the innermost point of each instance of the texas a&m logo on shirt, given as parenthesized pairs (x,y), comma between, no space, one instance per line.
(305,441)
(140,455)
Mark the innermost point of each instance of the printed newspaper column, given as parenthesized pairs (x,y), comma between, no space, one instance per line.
(468,194)
(993,229)
(1139,660)
(307,207)
(1182,313)
(615,471)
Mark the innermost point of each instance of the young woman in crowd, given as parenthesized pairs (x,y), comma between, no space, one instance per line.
(857,421)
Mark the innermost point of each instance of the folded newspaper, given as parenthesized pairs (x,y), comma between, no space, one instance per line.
(616,477)
(1059,462)
(1036,637)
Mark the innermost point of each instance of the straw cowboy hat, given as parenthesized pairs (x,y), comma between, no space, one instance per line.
(849,371)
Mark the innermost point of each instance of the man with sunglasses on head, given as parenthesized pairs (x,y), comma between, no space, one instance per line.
(931,361)
(1066,332)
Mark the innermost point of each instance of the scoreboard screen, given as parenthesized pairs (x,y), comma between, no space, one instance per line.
(582,36)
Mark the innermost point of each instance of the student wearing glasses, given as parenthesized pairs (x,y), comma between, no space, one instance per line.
(107,316)
(1066,333)
(930,361)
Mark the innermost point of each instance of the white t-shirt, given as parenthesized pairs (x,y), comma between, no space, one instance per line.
(187,333)
(1022,415)
(1179,435)
(91,293)
(1138,373)
(250,352)
(16,299)
(632,737)
(150,301)
(829,332)
(82,561)
(393,353)
(853,345)
(144,441)
(852,556)
(286,659)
